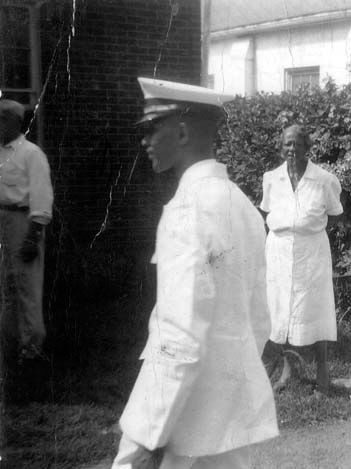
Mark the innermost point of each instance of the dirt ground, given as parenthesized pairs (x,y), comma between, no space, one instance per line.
(326,446)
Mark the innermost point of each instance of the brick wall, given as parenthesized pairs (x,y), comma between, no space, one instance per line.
(91,103)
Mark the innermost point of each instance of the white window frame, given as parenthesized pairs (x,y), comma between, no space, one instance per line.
(35,62)
(289,74)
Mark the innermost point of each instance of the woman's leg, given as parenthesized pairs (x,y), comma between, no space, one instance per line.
(271,356)
(284,377)
(321,353)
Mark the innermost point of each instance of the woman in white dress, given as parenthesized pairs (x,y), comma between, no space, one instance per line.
(298,198)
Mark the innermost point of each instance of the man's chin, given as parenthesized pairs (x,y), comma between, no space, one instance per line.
(157,167)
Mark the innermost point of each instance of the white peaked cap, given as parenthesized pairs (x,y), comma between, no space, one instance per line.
(166,97)
(173,91)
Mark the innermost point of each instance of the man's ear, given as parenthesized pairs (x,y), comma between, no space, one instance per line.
(183,133)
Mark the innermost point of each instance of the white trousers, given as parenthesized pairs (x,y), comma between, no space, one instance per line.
(236,459)
(129,457)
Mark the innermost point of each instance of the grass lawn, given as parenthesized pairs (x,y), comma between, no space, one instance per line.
(297,406)
(68,417)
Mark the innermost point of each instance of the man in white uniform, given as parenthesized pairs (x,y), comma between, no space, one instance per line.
(202,395)
(26,199)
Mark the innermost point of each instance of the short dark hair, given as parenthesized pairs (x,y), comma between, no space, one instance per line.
(203,112)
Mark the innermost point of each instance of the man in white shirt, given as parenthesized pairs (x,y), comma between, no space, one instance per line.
(202,396)
(26,199)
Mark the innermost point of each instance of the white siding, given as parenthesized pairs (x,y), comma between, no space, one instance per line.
(227,65)
(326,46)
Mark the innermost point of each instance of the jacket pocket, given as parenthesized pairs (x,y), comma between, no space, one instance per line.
(10,178)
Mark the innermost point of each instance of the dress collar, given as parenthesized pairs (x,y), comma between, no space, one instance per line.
(203,169)
(310,171)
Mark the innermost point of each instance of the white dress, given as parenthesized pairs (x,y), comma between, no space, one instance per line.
(299,269)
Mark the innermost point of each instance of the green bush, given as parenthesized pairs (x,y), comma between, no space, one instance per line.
(249,141)
(249,144)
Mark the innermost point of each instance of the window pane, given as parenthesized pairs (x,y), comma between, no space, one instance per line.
(11,35)
(300,79)
(295,78)
(15,69)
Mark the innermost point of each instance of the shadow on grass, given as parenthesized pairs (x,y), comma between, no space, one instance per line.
(62,414)
(56,435)
(298,405)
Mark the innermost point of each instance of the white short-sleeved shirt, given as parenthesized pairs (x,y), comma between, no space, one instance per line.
(306,210)
(25,178)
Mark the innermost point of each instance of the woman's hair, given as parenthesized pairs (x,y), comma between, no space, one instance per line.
(300,129)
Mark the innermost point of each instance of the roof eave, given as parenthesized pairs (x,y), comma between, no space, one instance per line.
(24,3)
(287,23)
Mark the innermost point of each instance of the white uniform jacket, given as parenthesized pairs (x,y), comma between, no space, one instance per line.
(202,388)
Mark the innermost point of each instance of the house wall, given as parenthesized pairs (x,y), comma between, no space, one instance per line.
(227,65)
(326,45)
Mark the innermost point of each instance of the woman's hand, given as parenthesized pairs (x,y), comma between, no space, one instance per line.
(333,220)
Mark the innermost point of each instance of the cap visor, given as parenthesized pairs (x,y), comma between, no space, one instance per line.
(148,118)
(153,116)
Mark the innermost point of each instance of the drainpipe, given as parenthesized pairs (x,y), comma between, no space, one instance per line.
(36,67)
(205,39)
(250,69)
(348,55)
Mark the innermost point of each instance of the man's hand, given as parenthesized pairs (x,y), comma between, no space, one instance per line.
(142,459)
(30,249)
(131,455)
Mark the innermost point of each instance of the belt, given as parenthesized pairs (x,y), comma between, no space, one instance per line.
(13,208)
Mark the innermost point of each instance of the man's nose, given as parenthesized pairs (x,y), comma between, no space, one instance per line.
(146,138)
